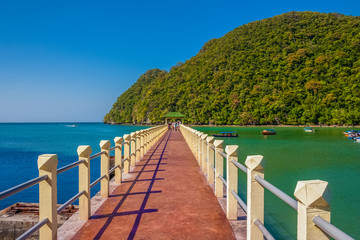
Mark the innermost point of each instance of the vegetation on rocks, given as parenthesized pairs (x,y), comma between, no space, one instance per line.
(295,68)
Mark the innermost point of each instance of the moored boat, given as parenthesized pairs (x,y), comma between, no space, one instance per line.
(226,134)
(350,132)
(309,129)
(269,132)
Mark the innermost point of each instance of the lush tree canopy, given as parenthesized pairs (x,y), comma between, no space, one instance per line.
(295,68)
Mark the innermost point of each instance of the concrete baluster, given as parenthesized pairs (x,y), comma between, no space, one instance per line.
(204,153)
(193,140)
(126,153)
(118,159)
(255,196)
(137,146)
(148,145)
(219,168)
(148,140)
(232,181)
(84,182)
(47,164)
(132,149)
(151,138)
(146,132)
(210,154)
(194,143)
(142,140)
(312,199)
(105,165)
(199,147)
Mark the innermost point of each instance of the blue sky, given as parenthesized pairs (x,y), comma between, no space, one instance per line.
(63,61)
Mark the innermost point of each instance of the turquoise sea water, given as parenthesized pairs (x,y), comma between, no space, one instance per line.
(294,155)
(22,143)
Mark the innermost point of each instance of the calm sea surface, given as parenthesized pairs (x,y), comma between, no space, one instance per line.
(22,143)
(294,155)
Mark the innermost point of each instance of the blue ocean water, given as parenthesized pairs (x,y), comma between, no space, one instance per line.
(22,143)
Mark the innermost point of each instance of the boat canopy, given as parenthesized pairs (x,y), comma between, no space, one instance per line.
(273,130)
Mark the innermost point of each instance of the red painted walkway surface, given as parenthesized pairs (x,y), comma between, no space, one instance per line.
(167,198)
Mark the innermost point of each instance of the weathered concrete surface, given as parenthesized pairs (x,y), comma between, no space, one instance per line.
(167,198)
(13,225)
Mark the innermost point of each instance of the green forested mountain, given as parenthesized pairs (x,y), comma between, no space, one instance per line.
(295,68)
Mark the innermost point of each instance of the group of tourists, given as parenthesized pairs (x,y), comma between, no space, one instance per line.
(175,126)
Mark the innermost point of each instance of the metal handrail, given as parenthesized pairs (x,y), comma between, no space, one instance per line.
(212,147)
(264,231)
(97,155)
(330,229)
(283,196)
(222,179)
(239,200)
(113,148)
(70,201)
(124,160)
(222,154)
(113,169)
(97,181)
(239,165)
(212,167)
(71,165)
(33,229)
(22,186)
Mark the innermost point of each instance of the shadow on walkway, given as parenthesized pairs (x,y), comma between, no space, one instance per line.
(167,197)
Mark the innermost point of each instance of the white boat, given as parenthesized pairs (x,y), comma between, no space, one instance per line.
(309,129)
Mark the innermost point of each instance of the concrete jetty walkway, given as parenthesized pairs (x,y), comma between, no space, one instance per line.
(167,197)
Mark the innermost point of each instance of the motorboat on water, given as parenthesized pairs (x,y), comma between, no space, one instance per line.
(309,129)
(269,132)
(351,132)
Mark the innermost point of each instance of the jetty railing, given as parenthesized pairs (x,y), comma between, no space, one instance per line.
(313,210)
(134,145)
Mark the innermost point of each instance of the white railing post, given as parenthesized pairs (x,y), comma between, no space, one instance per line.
(146,138)
(219,168)
(142,144)
(312,201)
(105,164)
(255,196)
(232,181)
(191,138)
(137,144)
(194,142)
(199,147)
(204,153)
(210,155)
(133,149)
(126,153)
(84,182)
(47,164)
(118,159)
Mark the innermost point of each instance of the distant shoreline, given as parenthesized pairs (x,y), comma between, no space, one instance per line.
(207,125)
